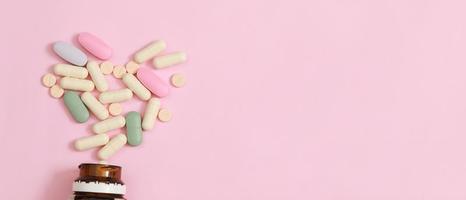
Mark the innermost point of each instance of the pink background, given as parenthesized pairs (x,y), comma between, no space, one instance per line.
(289,99)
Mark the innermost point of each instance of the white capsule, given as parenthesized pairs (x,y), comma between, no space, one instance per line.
(90,142)
(97,76)
(149,51)
(108,124)
(150,114)
(169,60)
(115,96)
(70,71)
(94,105)
(69,83)
(134,85)
(115,144)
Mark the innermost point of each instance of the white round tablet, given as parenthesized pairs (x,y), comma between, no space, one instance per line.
(178,80)
(106,67)
(164,115)
(56,91)
(48,80)
(119,71)
(132,67)
(115,109)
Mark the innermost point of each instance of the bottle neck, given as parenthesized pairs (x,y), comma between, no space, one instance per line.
(99,178)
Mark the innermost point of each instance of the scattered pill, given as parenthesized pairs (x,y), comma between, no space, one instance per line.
(108,124)
(140,81)
(97,76)
(90,142)
(115,96)
(115,109)
(119,71)
(95,46)
(178,80)
(164,115)
(48,80)
(169,60)
(149,51)
(70,53)
(133,128)
(115,144)
(134,85)
(150,114)
(106,67)
(70,71)
(69,83)
(132,67)
(56,91)
(94,105)
(153,82)
(76,107)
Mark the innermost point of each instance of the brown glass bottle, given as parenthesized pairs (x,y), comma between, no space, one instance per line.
(99,182)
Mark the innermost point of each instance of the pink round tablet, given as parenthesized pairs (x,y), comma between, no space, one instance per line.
(152,82)
(95,46)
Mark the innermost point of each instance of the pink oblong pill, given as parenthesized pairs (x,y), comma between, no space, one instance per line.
(153,82)
(95,46)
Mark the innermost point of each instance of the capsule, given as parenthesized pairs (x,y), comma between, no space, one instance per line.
(94,105)
(97,76)
(70,71)
(76,107)
(90,142)
(76,84)
(95,46)
(149,51)
(152,82)
(115,96)
(150,114)
(70,53)
(133,128)
(115,144)
(169,60)
(108,124)
(134,85)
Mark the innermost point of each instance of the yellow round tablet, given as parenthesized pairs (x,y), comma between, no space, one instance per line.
(56,91)
(119,71)
(132,67)
(106,67)
(164,115)
(178,80)
(115,109)
(48,80)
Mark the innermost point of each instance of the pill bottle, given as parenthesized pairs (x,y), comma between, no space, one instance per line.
(98,182)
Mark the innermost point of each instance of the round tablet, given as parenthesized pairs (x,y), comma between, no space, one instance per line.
(119,71)
(164,115)
(132,67)
(115,109)
(106,67)
(48,80)
(56,91)
(178,80)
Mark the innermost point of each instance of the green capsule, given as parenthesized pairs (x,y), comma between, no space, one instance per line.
(76,107)
(133,128)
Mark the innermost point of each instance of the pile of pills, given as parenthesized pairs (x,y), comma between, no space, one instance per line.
(76,80)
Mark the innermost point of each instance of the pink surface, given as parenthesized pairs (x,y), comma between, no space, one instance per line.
(324,99)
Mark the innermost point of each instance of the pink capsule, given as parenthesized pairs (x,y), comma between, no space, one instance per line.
(152,82)
(95,46)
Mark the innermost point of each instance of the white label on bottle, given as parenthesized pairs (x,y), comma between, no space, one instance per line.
(99,187)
